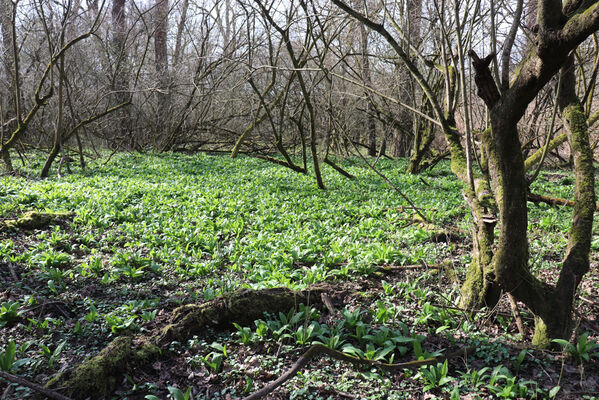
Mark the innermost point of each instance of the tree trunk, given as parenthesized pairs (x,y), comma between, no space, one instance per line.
(120,78)
(160,49)
(180,28)
(369,124)
(12,109)
(401,140)
(555,320)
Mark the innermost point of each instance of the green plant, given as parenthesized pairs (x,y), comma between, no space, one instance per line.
(518,362)
(434,376)
(9,312)
(92,315)
(513,388)
(388,289)
(52,356)
(244,333)
(475,378)
(304,334)
(7,357)
(149,315)
(117,324)
(583,350)
(351,317)
(176,394)
(214,360)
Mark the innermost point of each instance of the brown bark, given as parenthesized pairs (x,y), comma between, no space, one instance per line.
(161,64)
(120,78)
(369,124)
(180,28)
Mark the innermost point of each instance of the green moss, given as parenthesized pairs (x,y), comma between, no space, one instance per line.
(36,220)
(473,289)
(98,376)
(541,338)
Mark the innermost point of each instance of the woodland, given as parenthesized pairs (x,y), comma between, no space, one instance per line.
(299,199)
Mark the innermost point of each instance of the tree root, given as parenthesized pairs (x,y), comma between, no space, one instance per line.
(319,349)
(98,376)
(35,220)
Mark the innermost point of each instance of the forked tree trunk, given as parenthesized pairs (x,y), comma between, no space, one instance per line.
(502,184)
(551,305)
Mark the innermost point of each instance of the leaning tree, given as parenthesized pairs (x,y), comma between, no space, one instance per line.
(497,192)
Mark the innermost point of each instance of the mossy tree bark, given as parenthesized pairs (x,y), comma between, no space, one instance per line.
(499,193)
(552,305)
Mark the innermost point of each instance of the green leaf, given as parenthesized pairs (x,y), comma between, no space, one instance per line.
(553,392)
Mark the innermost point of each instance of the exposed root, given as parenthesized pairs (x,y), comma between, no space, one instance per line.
(51,394)
(319,349)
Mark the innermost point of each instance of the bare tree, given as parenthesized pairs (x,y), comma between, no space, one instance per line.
(502,185)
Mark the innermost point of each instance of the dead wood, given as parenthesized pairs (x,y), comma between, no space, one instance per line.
(98,376)
(319,349)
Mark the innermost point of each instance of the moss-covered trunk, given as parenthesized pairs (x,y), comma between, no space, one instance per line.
(551,305)
(556,320)
(7,160)
(480,288)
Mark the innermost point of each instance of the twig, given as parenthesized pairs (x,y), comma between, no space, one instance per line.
(328,303)
(46,392)
(517,316)
(319,349)
(13,273)
(391,268)
(588,301)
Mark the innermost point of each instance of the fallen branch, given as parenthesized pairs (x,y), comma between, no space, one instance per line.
(97,377)
(552,201)
(319,349)
(517,315)
(23,382)
(391,268)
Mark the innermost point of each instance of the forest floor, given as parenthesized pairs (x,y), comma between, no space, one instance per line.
(142,235)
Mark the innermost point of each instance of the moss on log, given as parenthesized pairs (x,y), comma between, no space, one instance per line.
(35,220)
(242,307)
(98,377)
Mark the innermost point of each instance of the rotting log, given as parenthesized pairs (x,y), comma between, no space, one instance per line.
(242,307)
(99,376)
(35,220)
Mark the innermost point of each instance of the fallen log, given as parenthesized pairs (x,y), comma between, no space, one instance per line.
(99,376)
(35,220)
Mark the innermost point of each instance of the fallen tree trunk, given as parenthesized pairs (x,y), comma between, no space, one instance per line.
(35,220)
(99,376)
